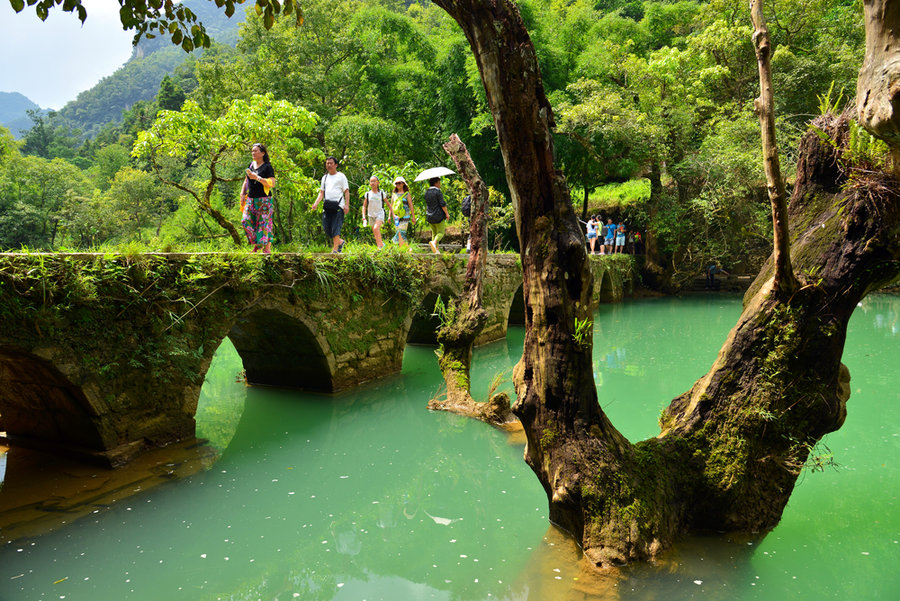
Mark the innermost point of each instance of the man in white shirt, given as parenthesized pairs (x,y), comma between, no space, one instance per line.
(335,191)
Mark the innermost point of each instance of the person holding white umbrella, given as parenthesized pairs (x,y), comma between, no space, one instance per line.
(435,207)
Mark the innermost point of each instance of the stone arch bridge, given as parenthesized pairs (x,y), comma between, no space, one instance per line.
(105,355)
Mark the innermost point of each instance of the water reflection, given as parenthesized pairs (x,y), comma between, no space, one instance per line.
(221,403)
(701,567)
(881,309)
(42,492)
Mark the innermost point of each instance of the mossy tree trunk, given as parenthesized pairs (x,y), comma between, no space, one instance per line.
(731,448)
(467,317)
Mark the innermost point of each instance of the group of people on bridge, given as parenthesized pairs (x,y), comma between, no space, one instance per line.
(611,237)
(257,206)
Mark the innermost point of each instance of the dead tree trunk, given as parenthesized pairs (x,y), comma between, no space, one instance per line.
(732,447)
(784,283)
(466,318)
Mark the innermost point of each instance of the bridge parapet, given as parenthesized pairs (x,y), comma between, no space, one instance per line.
(104,355)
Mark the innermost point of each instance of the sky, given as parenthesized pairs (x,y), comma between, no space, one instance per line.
(50,62)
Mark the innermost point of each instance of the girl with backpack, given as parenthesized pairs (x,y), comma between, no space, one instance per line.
(402,211)
(373,209)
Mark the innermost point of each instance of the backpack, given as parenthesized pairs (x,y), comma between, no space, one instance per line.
(467,206)
(399,210)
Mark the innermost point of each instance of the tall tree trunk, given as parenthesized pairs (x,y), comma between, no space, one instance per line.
(467,317)
(557,400)
(731,448)
(654,270)
(784,284)
(878,86)
(587,195)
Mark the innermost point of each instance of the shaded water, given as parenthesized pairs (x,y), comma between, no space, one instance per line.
(367,496)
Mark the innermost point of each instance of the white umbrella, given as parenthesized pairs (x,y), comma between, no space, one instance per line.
(434,172)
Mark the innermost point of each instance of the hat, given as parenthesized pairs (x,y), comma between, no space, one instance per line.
(399,179)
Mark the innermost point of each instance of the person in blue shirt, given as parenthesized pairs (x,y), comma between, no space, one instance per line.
(711,272)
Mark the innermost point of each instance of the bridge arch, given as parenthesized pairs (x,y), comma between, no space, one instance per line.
(606,292)
(281,349)
(113,396)
(516,313)
(40,406)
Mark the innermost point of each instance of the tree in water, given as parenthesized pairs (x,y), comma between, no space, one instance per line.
(731,448)
(465,317)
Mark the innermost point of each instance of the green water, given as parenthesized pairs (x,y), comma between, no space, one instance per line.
(368,496)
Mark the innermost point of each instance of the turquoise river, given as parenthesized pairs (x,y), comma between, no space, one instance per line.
(368,496)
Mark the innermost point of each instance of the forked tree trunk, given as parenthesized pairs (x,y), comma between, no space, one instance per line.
(467,317)
(732,447)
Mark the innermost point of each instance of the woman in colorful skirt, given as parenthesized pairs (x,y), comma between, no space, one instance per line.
(257,191)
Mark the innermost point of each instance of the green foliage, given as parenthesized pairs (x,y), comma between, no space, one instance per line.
(171,96)
(215,145)
(583,330)
(637,87)
(137,81)
(864,153)
(610,197)
(32,193)
(50,136)
(445,312)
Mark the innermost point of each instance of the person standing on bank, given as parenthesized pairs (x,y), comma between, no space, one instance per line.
(373,209)
(435,212)
(335,191)
(257,192)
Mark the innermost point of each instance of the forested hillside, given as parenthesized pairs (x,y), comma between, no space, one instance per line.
(653,103)
(13,111)
(139,78)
